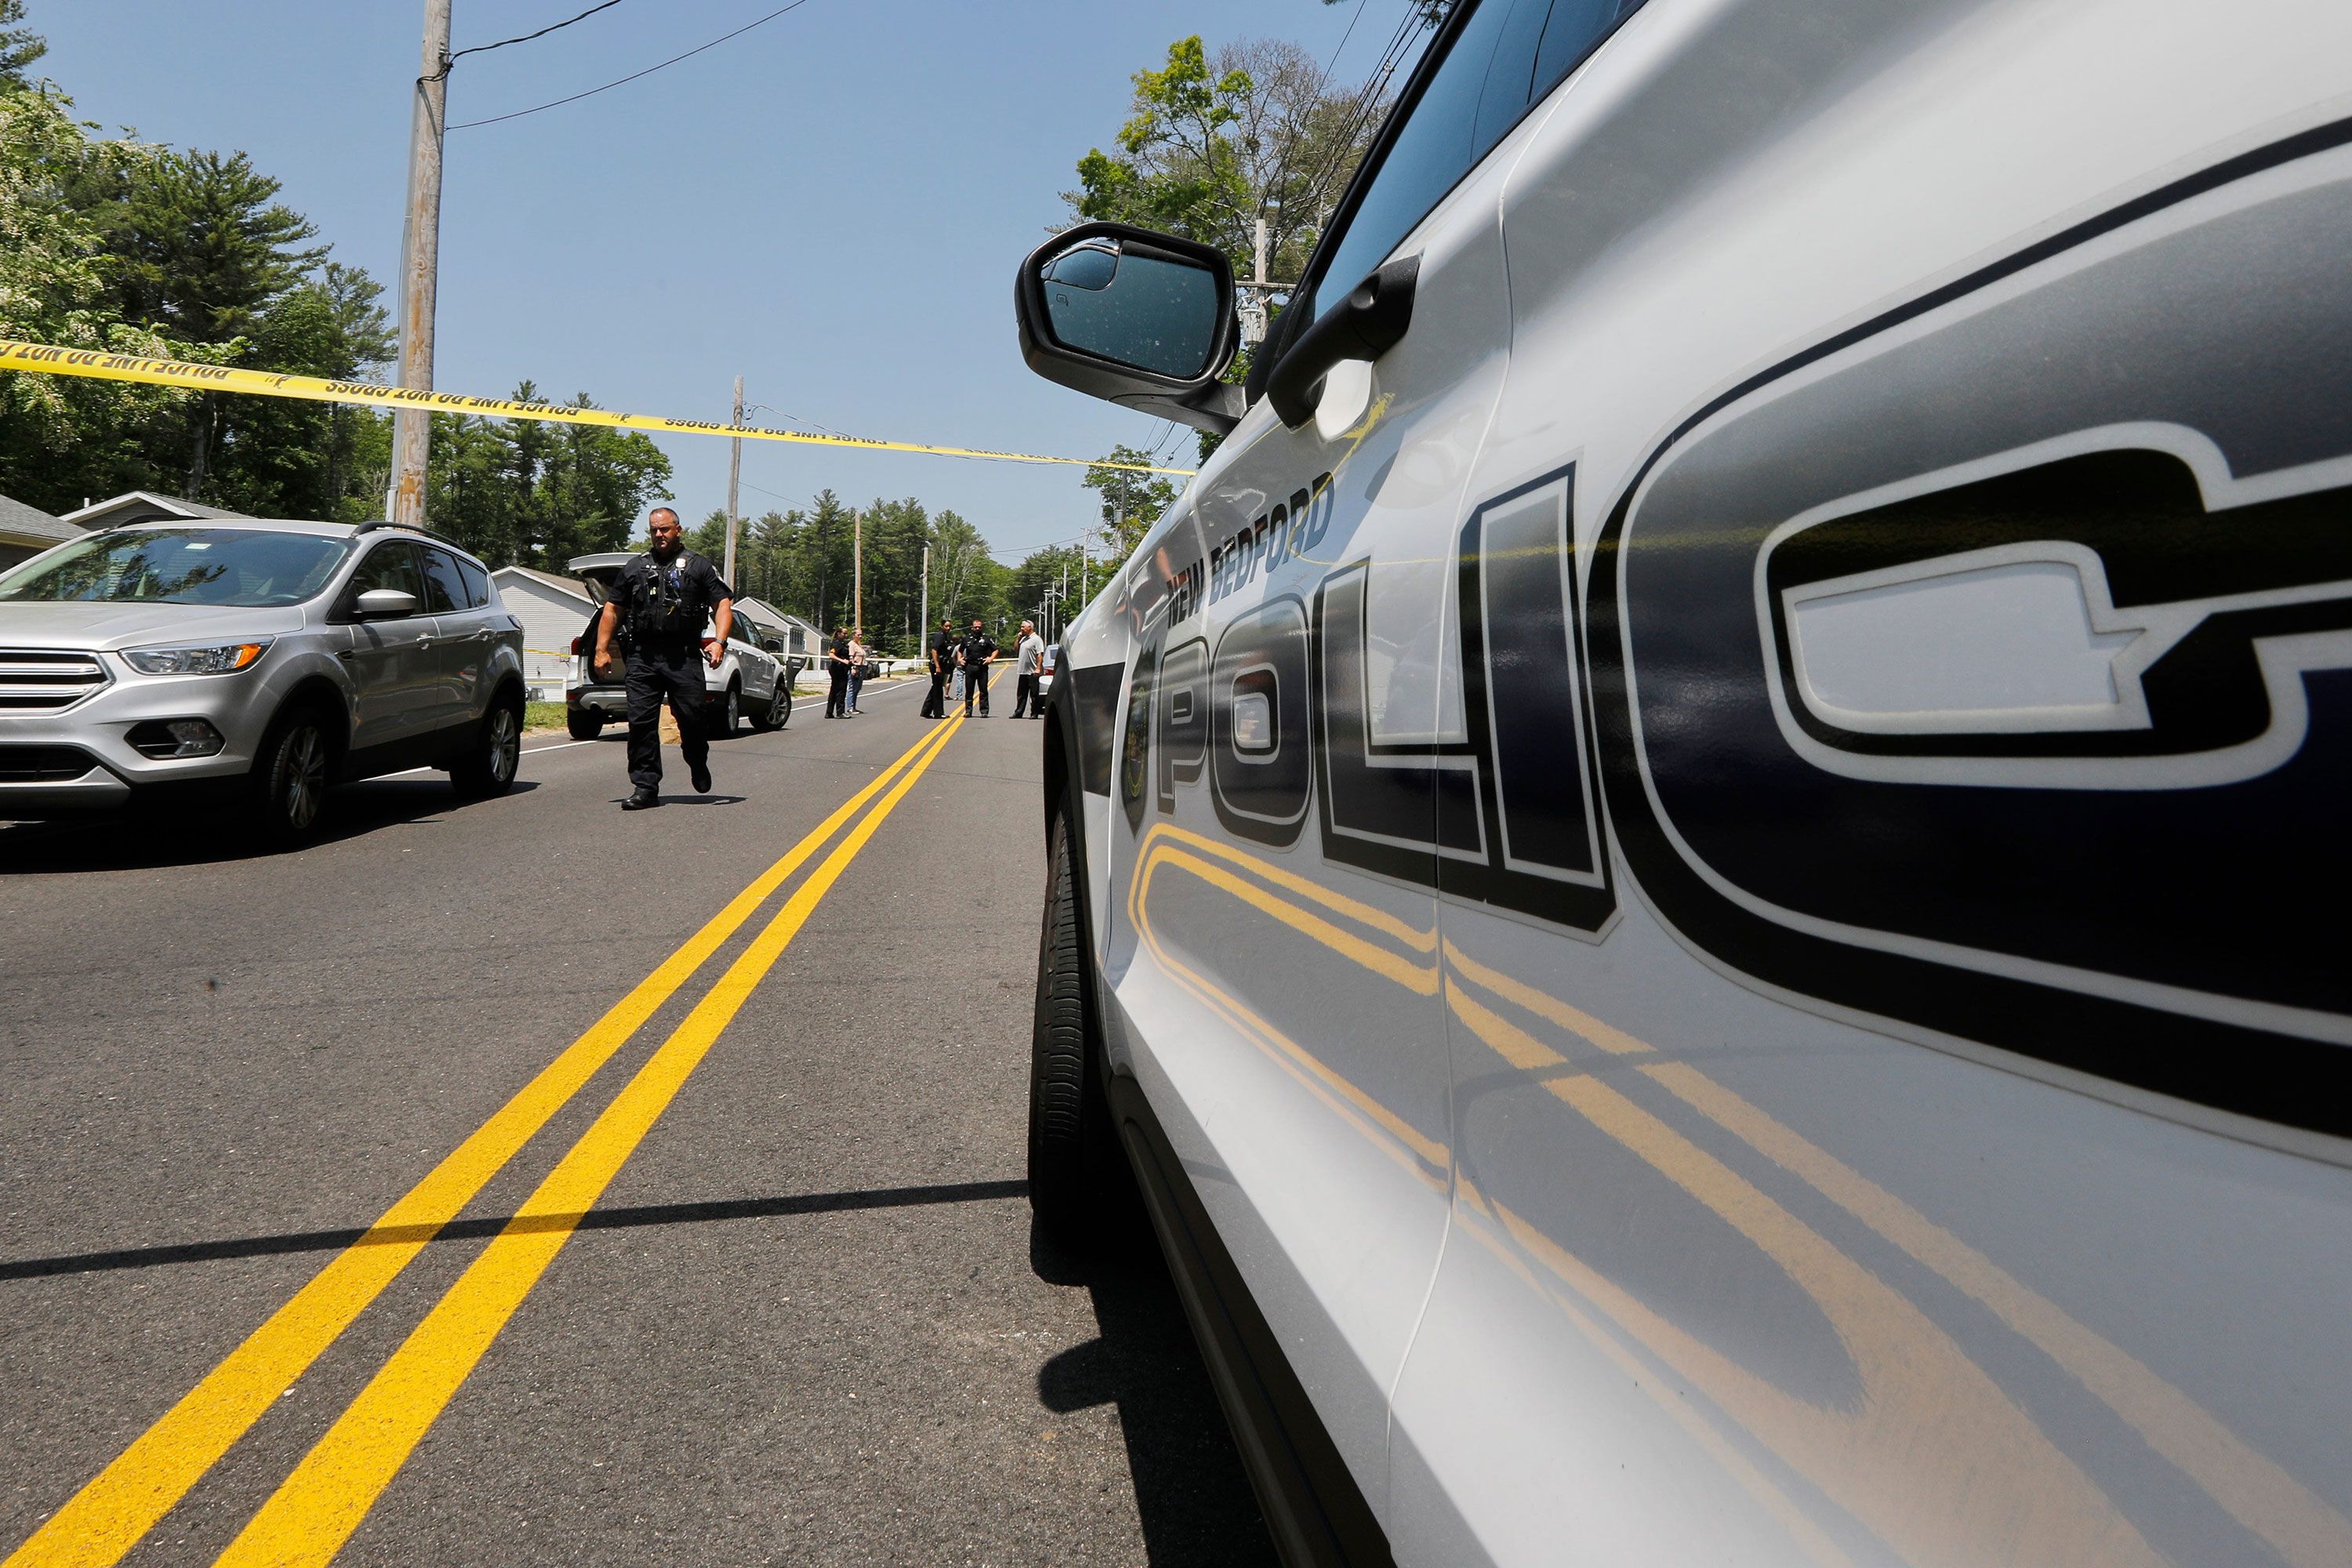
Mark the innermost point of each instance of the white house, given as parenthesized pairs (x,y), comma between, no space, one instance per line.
(799,637)
(553,610)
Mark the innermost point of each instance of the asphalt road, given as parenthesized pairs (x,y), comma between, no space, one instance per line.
(803,1320)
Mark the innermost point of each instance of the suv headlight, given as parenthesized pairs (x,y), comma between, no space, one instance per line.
(202,658)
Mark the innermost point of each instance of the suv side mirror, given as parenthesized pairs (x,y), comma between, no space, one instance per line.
(383,604)
(1142,320)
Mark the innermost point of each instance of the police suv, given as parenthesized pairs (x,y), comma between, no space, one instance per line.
(1702,874)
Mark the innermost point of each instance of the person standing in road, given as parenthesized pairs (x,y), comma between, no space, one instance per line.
(973,652)
(1028,659)
(836,670)
(856,670)
(939,653)
(664,595)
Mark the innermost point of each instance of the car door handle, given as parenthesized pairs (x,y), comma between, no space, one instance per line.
(1365,325)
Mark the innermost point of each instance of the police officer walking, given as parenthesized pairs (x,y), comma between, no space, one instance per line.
(973,652)
(663,598)
(941,650)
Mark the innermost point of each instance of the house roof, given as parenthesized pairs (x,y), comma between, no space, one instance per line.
(761,610)
(31,524)
(140,506)
(571,587)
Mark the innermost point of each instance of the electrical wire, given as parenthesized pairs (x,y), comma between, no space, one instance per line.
(623,81)
(484,48)
(1290,142)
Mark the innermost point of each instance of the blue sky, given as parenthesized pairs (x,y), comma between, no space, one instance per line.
(830,206)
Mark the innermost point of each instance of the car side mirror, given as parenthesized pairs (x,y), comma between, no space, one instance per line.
(384,605)
(1142,320)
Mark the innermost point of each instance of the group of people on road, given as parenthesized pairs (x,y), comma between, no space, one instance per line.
(960,673)
(652,627)
(845,663)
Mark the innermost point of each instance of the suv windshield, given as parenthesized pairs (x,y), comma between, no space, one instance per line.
(182,567)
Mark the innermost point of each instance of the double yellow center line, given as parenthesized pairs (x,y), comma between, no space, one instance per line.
(308,1518)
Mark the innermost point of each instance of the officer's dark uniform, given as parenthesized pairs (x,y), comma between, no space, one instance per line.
(941,652)
(978,648)
(664,607)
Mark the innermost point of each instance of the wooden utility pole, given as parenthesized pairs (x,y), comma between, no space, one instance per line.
(923,626)
(857,574)
(420,263)
(734,477)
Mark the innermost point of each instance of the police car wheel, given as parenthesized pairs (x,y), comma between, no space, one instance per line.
(1076,1168)
(728,716)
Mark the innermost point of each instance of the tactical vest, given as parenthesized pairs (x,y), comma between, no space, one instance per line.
(667,611)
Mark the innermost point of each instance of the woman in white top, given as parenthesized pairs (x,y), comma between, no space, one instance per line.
(857,668)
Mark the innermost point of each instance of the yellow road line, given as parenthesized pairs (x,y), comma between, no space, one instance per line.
(330,1492)
(122,1502)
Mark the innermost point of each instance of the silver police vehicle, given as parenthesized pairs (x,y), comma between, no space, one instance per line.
(240,668)
(1704,874)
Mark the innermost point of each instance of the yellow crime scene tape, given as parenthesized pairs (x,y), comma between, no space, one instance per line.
(47,359)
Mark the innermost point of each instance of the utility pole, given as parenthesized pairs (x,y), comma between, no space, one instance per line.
(923,627)
(1253,294)
(734,476)
(857,574)
(420,264)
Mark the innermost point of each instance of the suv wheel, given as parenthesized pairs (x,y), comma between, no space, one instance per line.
(487,766)
(1076,1166)
(728,716)
(584,725)
(290,778)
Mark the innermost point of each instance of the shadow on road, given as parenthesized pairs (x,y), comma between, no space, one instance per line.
(1190,1490)
(141,841)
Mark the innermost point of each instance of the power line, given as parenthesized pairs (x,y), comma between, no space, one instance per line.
(633,76)
(1290,142)
(502,43)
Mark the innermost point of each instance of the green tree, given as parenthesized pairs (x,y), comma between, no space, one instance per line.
(1211,146)
(64,438)
(1135,501)
(19,47)
(965,579)
(534,494)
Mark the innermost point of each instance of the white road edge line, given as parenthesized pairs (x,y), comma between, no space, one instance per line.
(530,751)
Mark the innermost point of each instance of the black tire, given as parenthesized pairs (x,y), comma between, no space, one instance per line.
(763,718)
(286,791)
(727,717)
(583,726)
(780,712)
(1076,1168)
(486,766)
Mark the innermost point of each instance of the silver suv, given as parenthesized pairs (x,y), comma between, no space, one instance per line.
(245,666)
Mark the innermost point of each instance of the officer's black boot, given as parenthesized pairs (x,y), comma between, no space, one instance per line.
(644,799)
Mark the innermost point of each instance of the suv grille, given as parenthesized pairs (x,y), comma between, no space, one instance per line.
(42,764)
(38,680)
